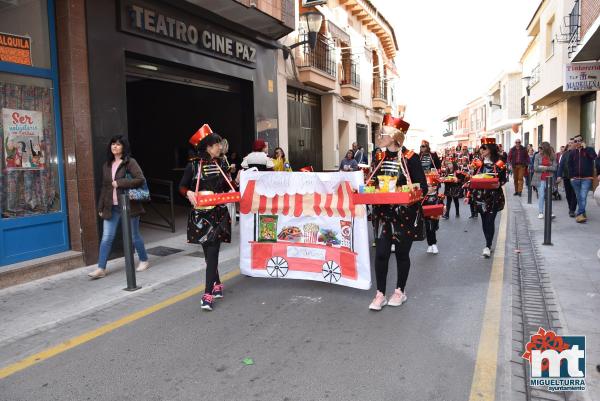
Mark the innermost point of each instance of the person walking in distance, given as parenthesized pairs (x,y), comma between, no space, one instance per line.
(544,165)
(489,202)
(563,171)
(580,163)
(208,226)
(120,172)
(519,160)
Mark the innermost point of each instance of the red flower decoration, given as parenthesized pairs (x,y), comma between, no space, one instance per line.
(542,341)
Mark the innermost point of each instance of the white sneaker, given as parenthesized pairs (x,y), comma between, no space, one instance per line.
(143,266)
(378,302)
(429,249)
(434,249)
(486,252)
(541,216)
(398,298)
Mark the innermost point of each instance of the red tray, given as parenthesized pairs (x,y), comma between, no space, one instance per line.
(433,210)
(388,198)
(217,199)
(484,183)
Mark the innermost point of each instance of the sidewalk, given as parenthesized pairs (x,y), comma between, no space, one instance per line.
(43,304)
(574,270)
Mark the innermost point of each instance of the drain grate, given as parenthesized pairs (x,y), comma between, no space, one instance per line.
(163,251)
(533,305)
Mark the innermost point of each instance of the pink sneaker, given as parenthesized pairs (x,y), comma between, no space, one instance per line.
(398,298)
(378,302)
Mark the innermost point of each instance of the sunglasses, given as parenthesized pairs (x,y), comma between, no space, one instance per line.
(423,146)
(577,140)
(483,147)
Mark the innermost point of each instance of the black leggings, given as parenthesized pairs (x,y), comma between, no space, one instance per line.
(449,205)
(431,227)
(211,256)
(488,224)
(383,251)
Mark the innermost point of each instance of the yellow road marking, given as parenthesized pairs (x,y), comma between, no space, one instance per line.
(483,387)
(107,328)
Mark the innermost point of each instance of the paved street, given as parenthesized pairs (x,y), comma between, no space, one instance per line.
(307,340)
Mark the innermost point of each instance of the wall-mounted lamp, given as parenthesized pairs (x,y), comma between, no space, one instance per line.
(494,104)
(313,21)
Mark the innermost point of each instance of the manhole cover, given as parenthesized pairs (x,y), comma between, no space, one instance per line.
(163,251)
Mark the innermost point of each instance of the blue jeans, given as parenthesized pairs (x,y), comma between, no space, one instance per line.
(541,193)
(581,186)
(109,230)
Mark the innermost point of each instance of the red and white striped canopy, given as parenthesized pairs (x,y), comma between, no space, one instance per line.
(336,204)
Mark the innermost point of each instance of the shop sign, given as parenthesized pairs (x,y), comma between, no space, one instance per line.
(183,30)
(23,133)
(582,77)
(15,49)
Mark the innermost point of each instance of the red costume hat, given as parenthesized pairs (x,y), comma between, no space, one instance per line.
(424,143)
(202,133)
(395,122)
(488,141)
(258,145)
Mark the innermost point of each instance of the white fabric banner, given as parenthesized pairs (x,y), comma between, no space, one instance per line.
(304,226)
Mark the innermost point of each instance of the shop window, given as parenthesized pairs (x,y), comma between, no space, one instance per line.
(24,31)
(29,182)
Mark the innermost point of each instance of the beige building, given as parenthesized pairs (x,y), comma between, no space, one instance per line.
(504,109)
(337,92)
(551,114)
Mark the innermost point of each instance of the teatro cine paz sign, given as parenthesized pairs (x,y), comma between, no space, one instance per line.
(184,30)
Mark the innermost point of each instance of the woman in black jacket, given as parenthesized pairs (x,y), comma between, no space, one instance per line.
(208,226)
(488,202)
(395,225)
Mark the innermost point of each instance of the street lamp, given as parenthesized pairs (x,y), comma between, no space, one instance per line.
(313,21)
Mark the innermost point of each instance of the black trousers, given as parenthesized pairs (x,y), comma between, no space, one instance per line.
(449,205)
(383,251)
(211,256)
(431,226)
(488,223)
(570,193)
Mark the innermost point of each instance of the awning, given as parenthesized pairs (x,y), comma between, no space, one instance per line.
(338,204)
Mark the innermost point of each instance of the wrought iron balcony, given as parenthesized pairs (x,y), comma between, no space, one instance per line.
(317,67)
(380,93)
(350,78)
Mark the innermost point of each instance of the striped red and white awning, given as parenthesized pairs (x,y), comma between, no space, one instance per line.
(336,204)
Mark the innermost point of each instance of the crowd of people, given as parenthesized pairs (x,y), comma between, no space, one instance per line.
(444,180)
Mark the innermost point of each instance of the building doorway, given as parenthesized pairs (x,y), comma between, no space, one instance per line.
(553,131)
(304,130)
(165,106)
(588,119)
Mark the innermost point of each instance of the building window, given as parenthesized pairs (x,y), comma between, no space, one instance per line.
(29,184)
(24,33)
(550,38)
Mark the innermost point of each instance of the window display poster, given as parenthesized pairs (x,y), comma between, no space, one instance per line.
(23,136)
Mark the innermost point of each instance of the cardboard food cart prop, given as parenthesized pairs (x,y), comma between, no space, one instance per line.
(304,226)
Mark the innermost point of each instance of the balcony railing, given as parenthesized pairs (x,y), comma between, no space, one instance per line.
(322,57)
(380,88)
(535,76)
(574,27)
(350,75)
